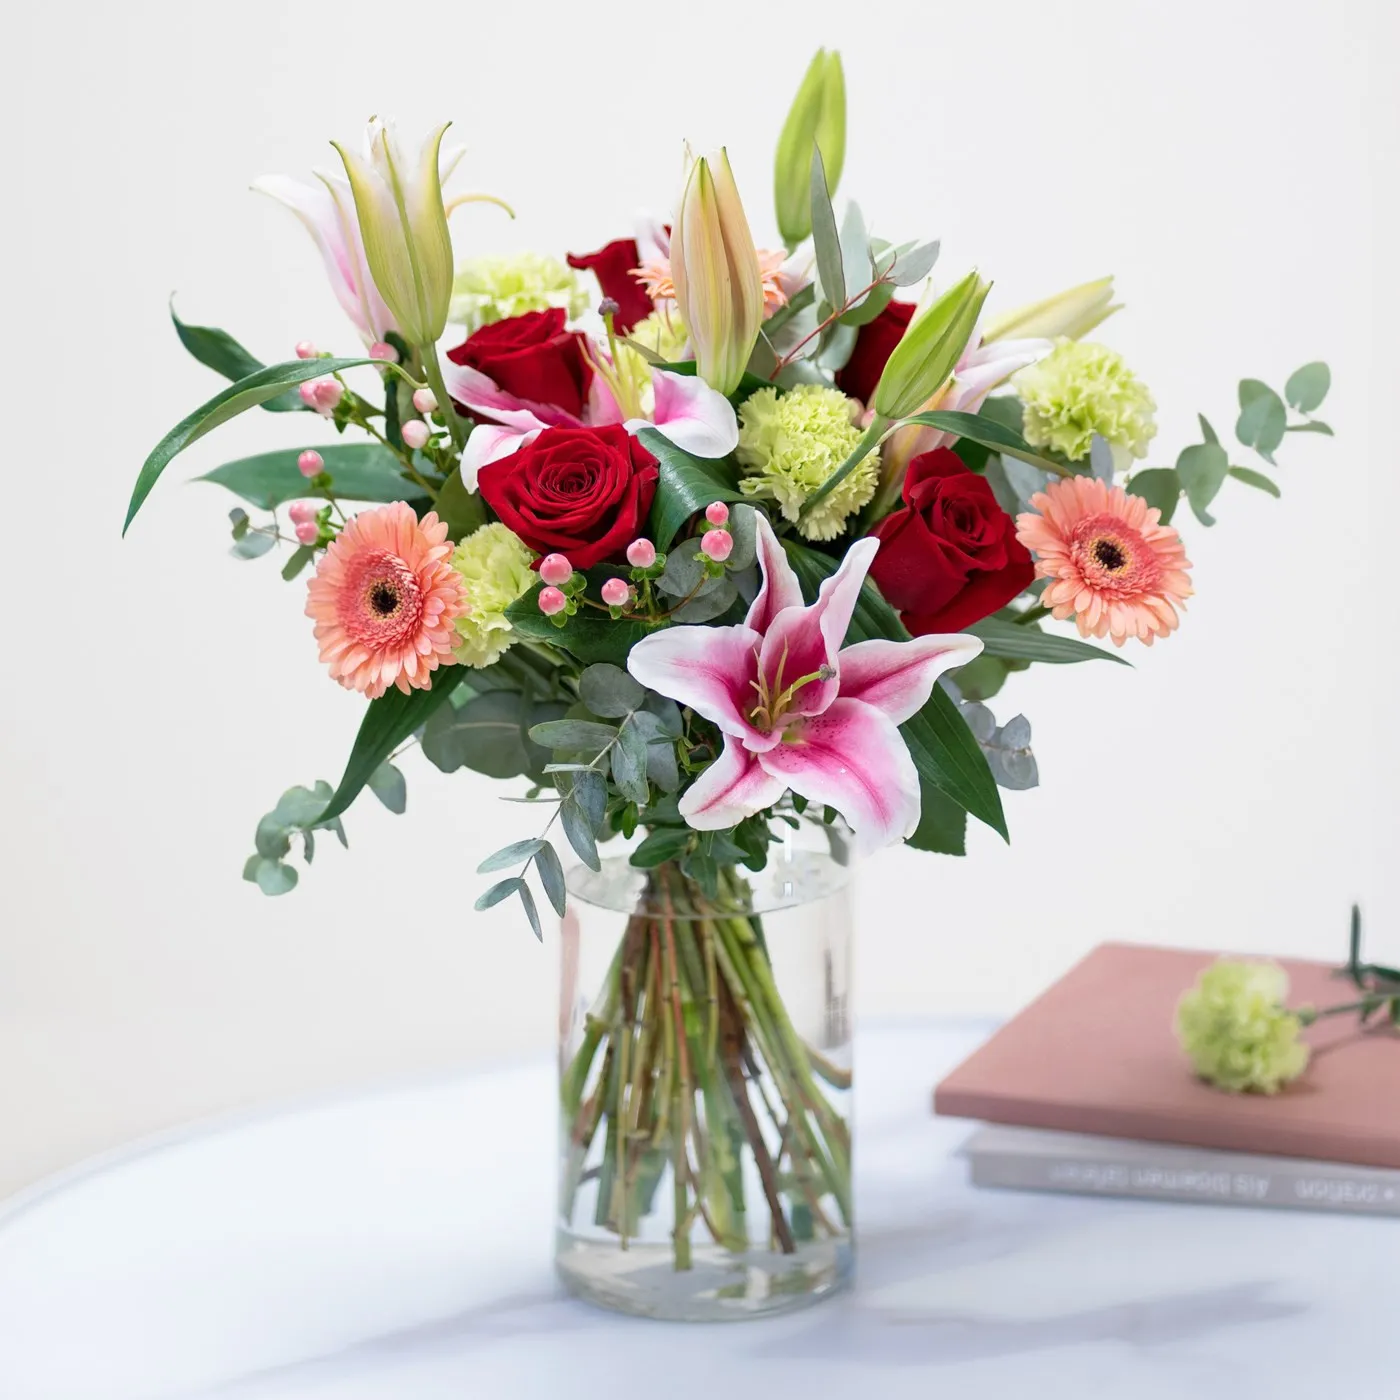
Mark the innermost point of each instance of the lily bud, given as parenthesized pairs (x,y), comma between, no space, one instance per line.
(1072,314)
(817,117)
(930,349)
(715,268)
(398,203)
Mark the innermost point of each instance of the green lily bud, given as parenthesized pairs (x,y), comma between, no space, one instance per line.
(1073,314)
(715,269)
(398,203)
(930,349)
(818,116)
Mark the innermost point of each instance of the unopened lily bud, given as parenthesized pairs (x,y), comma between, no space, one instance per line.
(717,513)
(307,532)
(415,433)
(817,118)
(616,592)
(930,350)
(717,545)
(399,207)
(425,401)
(311,463)
(641,554)
(552,601)
(717,276)
(555,568)
(1072,314)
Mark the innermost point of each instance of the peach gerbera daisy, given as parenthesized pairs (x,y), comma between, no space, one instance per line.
(384,599)
(1111,563)
(655,277)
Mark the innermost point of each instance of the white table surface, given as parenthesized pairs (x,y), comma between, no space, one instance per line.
(395,1245)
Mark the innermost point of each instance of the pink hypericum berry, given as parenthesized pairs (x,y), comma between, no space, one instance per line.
(322,394)
(425,401)
(616,592)
(641,554)
(308,531)
(382,350)
(415,433)
(717,545)
(302,511)
(311,463)
(552,601)
(305,350)
(555,568)
(307,390)
(717,513)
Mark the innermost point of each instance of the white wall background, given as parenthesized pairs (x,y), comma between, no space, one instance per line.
(1232,162)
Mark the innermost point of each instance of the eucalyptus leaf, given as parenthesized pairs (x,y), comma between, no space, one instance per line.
(1315,426)
(855,255)
(502,889)
(869,307)
(574,735)
(527,902)
(1202,470)
(514,854)
(300,557)
(388,785)
(257,388)
(666,712)
(253,545)
(1025,480)
(825,239)
(579,830)
(271,839)
(709,604)
(1258,480)
(1160,487)
(551,874)
(629,764)
(1308,386)
(609,691)
(1101,459)
(590,792)
(1262,421)
(274,877)
(743,529)
(915,265)
(487,735)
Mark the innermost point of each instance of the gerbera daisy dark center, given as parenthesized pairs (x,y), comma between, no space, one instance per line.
(1109,554)
(383,597)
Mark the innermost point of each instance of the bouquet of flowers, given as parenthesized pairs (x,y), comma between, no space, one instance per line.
(738,542)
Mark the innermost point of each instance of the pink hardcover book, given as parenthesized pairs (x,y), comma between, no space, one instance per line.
(1097,1053)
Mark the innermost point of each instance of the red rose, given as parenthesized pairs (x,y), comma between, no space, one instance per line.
(950,557)
(533,357)
(613,264)
(875,342)
(584,492)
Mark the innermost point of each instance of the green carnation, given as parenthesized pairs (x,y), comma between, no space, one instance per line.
(1235,1027)
(1081,389)
(790,443)
(495,566)
(492,289)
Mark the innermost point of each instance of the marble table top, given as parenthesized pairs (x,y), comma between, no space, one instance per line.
(395,1245)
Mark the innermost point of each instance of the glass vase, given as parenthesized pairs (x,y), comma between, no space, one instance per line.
(705,1088)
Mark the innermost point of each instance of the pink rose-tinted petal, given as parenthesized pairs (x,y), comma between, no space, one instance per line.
(733,787)
(711,669)
(852,757)
(802,640)
(697,418)
(780,588)
(898,677)
(489,443)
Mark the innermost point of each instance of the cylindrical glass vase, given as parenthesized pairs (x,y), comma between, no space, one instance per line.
(705,1088)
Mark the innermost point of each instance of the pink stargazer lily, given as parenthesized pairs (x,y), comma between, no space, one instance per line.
(683,409)
(797,710)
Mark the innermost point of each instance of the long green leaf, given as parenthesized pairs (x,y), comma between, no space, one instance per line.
(687,484)
(224,355)
(360,471)
(248,393)
(943,748)
(387,723)
(987,432)
(1014,641)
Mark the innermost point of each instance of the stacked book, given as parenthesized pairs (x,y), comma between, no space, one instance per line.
(1088,1091)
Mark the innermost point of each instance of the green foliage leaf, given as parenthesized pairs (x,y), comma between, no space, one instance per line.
(1316,426)
(527,902)
(629,764)
(940,743)
(360,471)
(255,389)
(487,735)
(1262,421)
(387,723)
(1308,386)
(253,544)
(1160,487)
(514,854)
(387,784)
(272,877)
(574,735)
(914,265)
(589,636)
(609,691)
(502,889)
(686,484)
(1025,642)
(1202,469)
(551,874)
(463,510)
(988,433)
(579,831)
(224,355)
(942,823)
(301,556)
(668,843)
(1258,480)
(831,272)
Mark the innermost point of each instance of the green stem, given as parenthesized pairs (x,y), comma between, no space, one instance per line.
(432,372)
(869,441)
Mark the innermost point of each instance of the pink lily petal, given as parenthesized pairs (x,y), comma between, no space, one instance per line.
(697,418)
(898,677)
(489,442)
(653,238)
(780,588)
(601,408)
(733,787)
(802,640)
(852,758)
(480,394)
(711,669)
